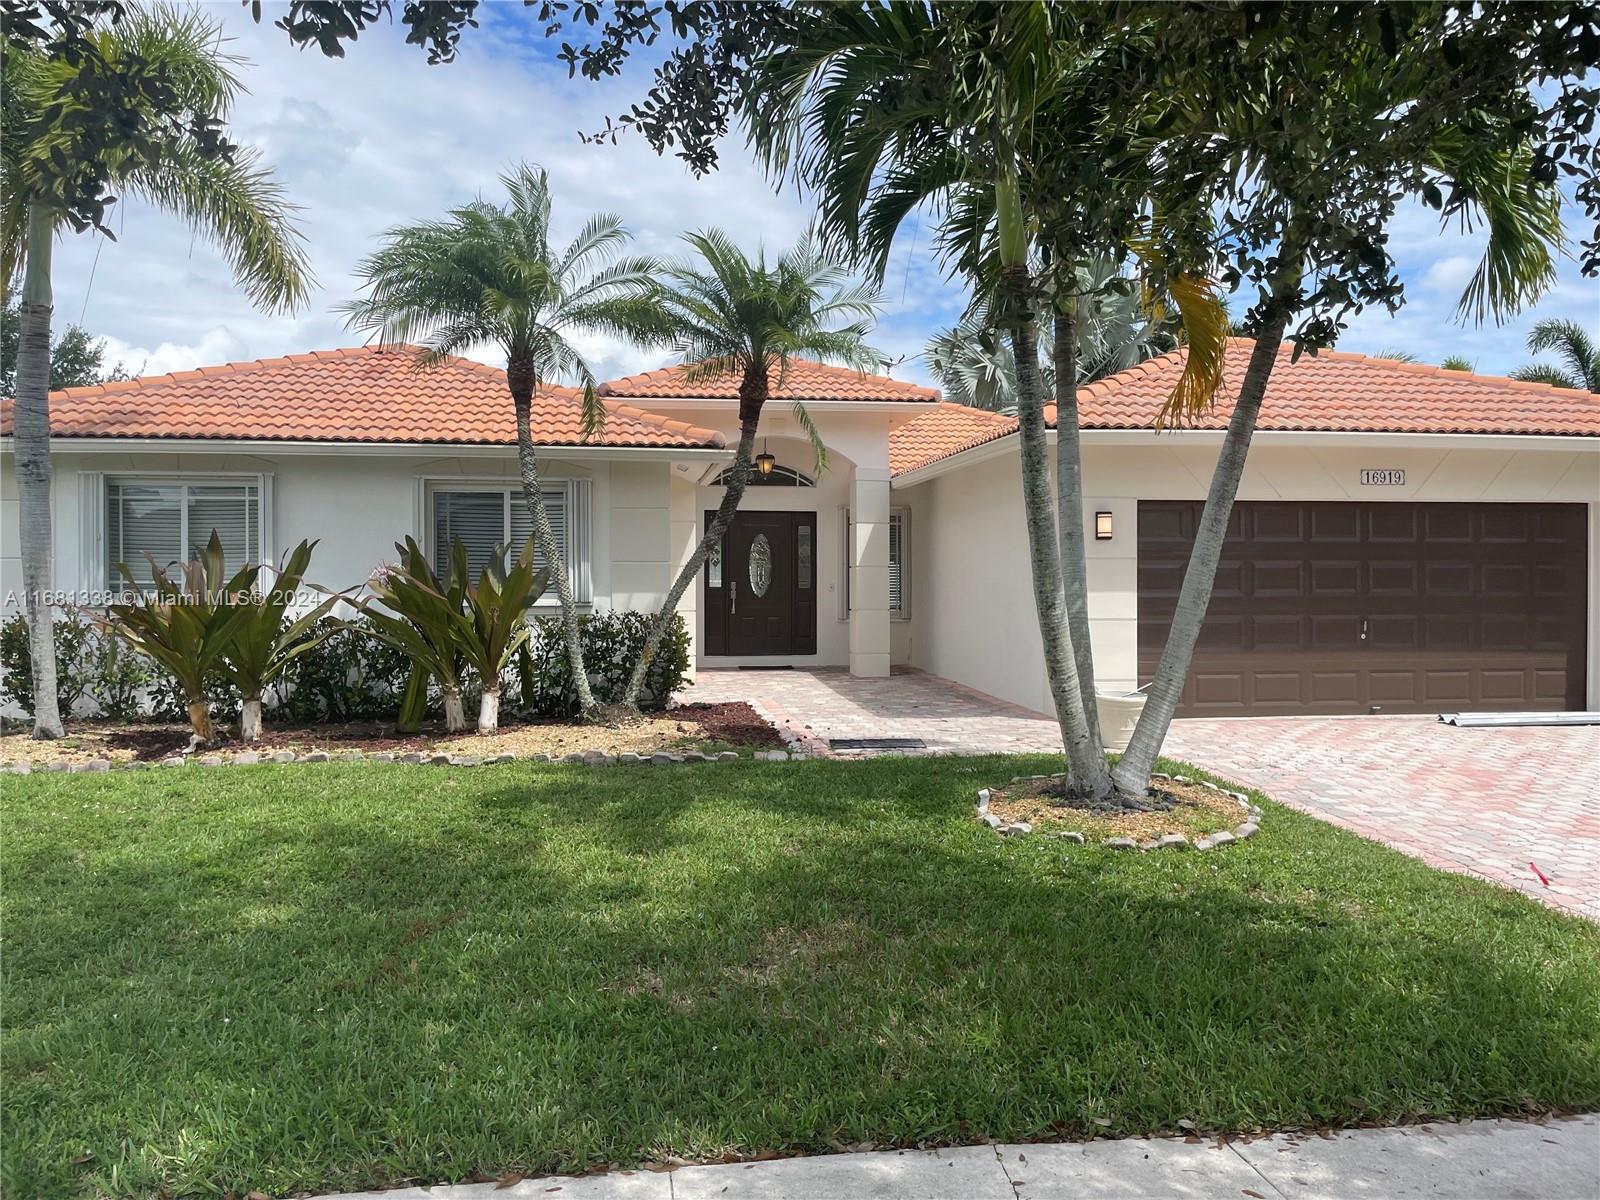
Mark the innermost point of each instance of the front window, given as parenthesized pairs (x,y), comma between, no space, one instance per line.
(486,517)
(172,520)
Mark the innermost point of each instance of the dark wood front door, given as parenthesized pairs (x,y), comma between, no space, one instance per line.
(1392,607)
(761,589)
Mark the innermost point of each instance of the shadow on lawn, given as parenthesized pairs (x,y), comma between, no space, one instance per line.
(547,970)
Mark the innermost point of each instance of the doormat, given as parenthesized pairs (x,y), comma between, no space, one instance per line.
(781,667)
(877,744)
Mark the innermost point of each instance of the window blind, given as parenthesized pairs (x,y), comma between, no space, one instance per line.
(171,520)
(484,519)
(896,561)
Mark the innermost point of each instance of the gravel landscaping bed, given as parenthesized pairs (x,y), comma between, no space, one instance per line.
(685,727)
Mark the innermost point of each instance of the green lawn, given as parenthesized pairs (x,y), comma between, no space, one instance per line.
(330,977)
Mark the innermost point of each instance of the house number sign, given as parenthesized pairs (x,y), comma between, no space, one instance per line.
(1384,477)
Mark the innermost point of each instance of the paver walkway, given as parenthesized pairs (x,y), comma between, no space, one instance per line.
(811,707)
(1479,1160)
(1483,801)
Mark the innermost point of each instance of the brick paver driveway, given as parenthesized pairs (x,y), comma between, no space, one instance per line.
(1482,801)
(1486,802)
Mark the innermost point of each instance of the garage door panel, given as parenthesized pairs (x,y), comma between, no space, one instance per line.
(1447,523)
(1549,685)
(1335,633)
(1447,578)
(1505,579)
(1334,523)
(1389,688)
(1465,606)
(1401,632)
(1272,523)
(1336,577)
(1446,687)
(1504,523)
(1393,578)
(1441,631)
(1230,580)
(1277,577)
(1286,632)
(1503,685)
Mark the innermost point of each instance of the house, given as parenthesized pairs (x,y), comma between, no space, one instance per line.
(1408,539)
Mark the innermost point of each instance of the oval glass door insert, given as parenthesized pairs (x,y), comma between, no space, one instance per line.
(760,565)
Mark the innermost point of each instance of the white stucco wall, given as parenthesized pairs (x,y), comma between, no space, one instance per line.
(358,505)
(972,609)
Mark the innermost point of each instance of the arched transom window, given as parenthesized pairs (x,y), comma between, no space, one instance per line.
(780,477)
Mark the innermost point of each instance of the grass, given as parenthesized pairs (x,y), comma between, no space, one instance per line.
(331,977)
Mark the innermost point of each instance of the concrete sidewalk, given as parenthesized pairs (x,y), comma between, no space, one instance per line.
(1479,1160)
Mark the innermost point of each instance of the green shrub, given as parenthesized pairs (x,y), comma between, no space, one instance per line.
(121,675)
(76,645)
(612,643)
(167,700)
(348,676)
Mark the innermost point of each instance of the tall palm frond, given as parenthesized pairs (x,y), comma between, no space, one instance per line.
(487,275)
(734,316)
(236,205)
(1576,349)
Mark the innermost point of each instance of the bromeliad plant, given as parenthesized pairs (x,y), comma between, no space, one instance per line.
(263,645)
(188,624)
(494,625)
(420,617)
(445,623)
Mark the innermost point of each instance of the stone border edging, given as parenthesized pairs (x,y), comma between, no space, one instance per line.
(250,758)
(1174,841)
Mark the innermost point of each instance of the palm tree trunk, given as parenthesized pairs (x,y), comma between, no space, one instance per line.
(1069,517)
(1133,771)
(32,437)
(521,380)
(250,719)
(200,722)
(455,716)
(753,392)
(1086,764)
(489,712)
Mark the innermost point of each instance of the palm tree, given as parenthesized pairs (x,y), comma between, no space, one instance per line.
(1118,326)
(1575,348)
(488,275)
(1458,362)
(734,317)
(233,201)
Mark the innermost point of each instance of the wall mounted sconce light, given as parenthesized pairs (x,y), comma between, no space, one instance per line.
(1102,527)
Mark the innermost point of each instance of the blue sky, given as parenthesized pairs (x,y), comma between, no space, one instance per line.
(380,138)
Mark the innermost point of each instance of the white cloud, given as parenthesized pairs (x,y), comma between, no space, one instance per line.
(214,346)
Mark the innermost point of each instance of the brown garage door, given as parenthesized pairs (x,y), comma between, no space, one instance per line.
(1358,608)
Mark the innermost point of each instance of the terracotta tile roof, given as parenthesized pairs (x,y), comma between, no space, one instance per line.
(806,380)
(1343,392)
(948,429)
(363,394)
(1335,391)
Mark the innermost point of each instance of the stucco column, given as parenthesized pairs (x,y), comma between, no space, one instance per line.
(869,572)
(685,536)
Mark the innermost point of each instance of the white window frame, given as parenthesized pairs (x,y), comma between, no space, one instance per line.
(93,496)
(579,515)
